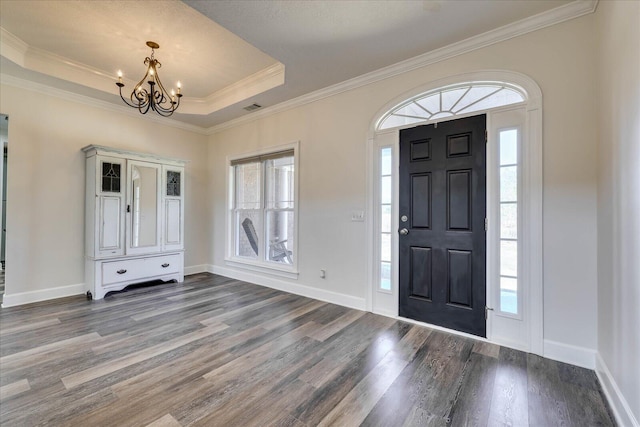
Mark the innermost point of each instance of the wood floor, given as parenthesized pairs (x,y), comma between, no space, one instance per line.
(218,352)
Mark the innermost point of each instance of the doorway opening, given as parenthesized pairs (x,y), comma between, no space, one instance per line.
(511,102)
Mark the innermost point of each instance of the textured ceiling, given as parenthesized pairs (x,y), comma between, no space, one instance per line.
(211,45)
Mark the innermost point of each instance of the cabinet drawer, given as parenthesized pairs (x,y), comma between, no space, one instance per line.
(134,269)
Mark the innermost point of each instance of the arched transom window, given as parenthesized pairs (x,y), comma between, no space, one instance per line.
(451,101)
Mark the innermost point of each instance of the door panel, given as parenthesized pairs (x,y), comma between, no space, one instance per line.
(421,272)
(442,252)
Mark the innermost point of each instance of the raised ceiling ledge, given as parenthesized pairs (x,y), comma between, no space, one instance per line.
(34,59)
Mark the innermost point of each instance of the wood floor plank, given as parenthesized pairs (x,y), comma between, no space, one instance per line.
(81,377)
(509,405)
(357,404)
(166,421)
(216,351)
(29,356)
(29,326)
(476,392)
(10,390)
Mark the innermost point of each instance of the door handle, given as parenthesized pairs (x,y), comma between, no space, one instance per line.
(403,231)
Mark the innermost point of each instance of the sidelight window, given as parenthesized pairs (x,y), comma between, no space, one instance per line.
(385,218)
(508,176)
(263,204)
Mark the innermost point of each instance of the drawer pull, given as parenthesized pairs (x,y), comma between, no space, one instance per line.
(121,271)
(165,265)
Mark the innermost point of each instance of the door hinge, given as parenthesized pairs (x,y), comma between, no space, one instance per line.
(486,312)
(486,223)
(486,136)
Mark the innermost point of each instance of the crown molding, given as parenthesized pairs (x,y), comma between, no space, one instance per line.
(12,47)
(9,80)
(542,20)
(48,63)
(243,89)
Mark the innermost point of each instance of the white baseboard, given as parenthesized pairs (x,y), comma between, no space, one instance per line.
(12,300)
(619,405)
(574,355)
(195,269)
(294,288)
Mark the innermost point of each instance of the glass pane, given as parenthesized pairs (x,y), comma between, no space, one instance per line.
(173,183)
(385,247)
(385,190)
(441,115)
(280,229)
(385,276)
(508,258)
(248,233)
(280,185)
(248,183)
(385,161)
(509,220)
(450,97)
(503,97)
(508,183)
(509,147)
(385,219)
(144,207)
(509,295)
(476,93)
(393,121)
(412,110)
(431,103)
(110,177)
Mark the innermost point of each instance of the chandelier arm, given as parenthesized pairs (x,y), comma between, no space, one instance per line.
(165,97)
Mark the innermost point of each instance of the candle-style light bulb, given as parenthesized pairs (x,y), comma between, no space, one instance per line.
(173,95)
(179,86)
(119,76)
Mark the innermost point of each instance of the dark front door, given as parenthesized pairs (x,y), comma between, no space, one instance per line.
(442,224)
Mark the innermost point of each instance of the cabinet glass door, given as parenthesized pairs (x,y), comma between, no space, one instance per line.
(173,211)
(143,207)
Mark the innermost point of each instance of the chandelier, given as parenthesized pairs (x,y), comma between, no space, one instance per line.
(156,96)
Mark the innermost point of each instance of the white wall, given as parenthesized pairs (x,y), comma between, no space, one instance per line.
(45,216)
(332,134)
(619,203)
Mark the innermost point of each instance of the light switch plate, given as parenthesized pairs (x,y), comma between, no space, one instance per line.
(357,216)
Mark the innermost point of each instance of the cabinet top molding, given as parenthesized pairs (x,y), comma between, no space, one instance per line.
(92,150)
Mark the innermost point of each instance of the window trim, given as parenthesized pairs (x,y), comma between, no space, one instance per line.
(243,263)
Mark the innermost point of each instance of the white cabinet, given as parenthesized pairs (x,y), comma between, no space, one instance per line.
(134,219)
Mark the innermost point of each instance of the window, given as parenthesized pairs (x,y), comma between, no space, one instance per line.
(263,207)
(508,176)
(451,101)
(385,218)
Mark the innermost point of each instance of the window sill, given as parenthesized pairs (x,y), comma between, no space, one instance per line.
(263,267)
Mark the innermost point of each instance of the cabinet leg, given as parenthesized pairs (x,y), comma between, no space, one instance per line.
(89,295)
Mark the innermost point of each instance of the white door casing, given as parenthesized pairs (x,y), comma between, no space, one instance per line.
(525,331)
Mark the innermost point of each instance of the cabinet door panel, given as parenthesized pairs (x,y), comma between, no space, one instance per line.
(110,217)
(110,198)
(173,211)
(172,217)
